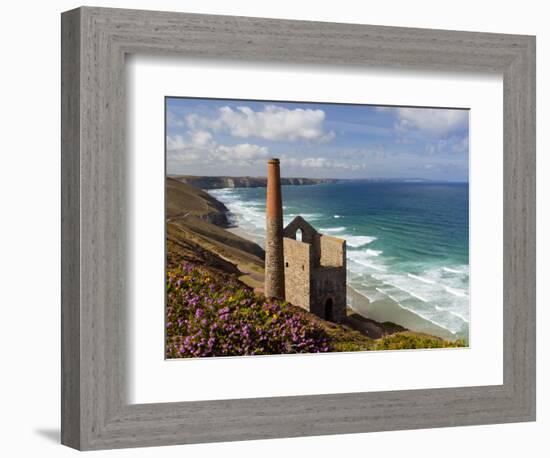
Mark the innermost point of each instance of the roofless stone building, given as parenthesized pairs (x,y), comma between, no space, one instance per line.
(306,268)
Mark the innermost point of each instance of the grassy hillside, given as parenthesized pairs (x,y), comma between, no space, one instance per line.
(183,200)
(210,313)
(194,229)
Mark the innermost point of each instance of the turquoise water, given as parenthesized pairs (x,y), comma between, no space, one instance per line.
(406,242)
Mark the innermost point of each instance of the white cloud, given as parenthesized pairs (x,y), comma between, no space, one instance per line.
(200,147)
(461,145)
(433,120)
(272,123)
(175,143)
(244,152)
(449,145)
(321,163)
(174,121)
(202,138)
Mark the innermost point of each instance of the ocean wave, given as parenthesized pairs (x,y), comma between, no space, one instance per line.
(364,258)
(431,319)
(453,271)
(413,294)
(455,292)
(370,293)
(358,255)
(452,312)
(306,216)
(247,215)
(446,319)
(357,241)
(395,293)
(427,295)
(370,252)
(422,279)
(332,229)
(338,216)
(393,298)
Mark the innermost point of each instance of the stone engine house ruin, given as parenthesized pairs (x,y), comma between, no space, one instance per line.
(315,270)
(306,268)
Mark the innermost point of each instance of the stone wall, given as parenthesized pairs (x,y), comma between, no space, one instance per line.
(297,272)
(333,251)
(309,235)
(329,284)
(315,271)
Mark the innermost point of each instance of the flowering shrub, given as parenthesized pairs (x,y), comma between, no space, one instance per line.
(206,316)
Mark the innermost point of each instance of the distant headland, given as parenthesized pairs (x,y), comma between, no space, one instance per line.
(218,182)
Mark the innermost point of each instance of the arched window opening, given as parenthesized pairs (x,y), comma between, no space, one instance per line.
(329,309)
(299,235)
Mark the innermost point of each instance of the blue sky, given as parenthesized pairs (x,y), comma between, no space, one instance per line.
(236,137)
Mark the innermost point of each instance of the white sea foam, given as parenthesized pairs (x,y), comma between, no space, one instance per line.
(413,294)
(337,216)
(422,279)
(247,215)
(363,254)
(307,216)
(332,229)
(370,252)
(428,317)
(372,294)
(452,271)
(363,258)
(428,298)
(457,315)
(455,292)
(417,296)
(357,241)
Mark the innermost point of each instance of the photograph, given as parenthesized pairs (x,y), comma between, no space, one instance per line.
(296,227)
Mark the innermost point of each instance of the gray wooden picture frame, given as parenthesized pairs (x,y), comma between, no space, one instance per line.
(95,41)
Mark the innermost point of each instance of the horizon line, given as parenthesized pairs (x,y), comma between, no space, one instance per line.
(432,180)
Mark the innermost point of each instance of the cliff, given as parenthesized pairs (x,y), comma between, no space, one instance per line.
(184,201)
(244,182)
(195,232)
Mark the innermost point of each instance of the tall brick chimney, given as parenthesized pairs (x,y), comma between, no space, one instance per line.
(274,255)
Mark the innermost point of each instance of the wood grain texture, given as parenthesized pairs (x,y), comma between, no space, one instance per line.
(95,411)
(70,229)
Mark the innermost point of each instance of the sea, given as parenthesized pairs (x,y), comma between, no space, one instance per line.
(407,242)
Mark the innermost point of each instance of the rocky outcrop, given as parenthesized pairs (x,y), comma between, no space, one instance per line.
(244,182)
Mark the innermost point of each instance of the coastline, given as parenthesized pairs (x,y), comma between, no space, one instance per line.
(200,236)
(240,232)
(394,313)
(376,311)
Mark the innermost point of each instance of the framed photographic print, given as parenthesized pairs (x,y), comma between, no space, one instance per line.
(293,229)
(286,228)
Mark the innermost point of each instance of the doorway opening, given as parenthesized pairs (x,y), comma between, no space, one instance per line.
(329,309)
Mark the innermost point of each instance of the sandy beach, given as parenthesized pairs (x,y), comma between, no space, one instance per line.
(388,311)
